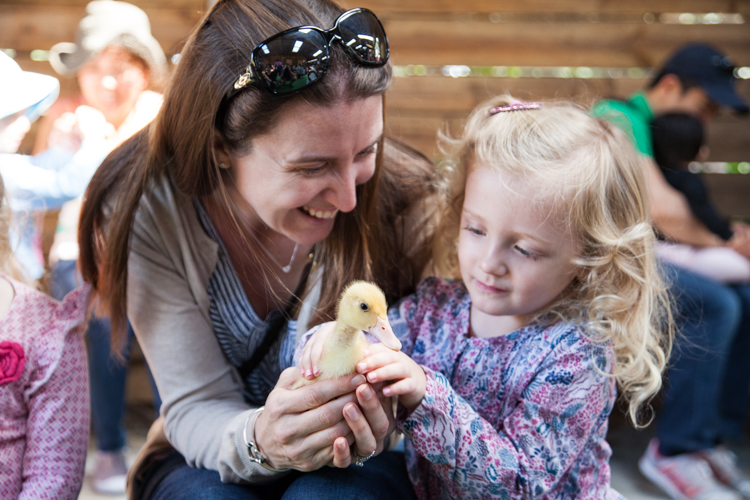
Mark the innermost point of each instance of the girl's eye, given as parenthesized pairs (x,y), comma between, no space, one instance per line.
(526,253)
(474,231)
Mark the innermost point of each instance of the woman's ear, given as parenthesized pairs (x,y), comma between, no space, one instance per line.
(221,153)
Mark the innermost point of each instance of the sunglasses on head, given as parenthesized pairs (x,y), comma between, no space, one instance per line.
(298,57)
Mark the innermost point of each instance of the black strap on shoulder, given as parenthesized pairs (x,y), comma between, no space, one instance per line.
(273,329)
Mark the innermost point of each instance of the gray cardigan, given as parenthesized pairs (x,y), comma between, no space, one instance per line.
(171,260)
(170,263)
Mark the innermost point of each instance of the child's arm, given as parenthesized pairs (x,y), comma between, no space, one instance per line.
(534,448)
(58,427)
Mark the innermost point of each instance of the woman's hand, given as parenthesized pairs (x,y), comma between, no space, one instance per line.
(313,351)
(382,365)
(298,427)
(371,423)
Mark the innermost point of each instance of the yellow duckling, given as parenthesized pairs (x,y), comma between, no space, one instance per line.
(362,306)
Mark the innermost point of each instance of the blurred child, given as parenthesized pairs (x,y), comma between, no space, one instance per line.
(116,61)
(44,403)
(677,141)
(558,296)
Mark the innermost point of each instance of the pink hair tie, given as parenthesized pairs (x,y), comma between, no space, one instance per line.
(516,106)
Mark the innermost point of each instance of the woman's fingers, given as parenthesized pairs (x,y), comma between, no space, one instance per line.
(379,415)
(365,441)
(341,454)
(313,395)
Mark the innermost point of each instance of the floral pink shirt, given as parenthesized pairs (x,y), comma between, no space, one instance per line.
(522,415)
(44,399)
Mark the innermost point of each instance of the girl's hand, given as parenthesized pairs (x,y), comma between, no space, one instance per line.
(298,427)
(382,365)
(313,351)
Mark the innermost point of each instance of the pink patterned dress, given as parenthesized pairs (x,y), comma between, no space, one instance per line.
(44,399)
(522,415)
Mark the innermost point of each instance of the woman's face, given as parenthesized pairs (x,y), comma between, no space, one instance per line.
(111,82)
(300,175)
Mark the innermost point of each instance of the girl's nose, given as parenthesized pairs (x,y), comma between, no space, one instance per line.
(493,263)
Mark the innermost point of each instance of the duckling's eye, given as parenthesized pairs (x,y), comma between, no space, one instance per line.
(363,306)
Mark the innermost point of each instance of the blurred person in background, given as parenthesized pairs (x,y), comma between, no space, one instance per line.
(116,60)
(709,375)
(678,140)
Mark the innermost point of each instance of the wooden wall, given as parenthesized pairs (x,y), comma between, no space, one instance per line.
(434,33)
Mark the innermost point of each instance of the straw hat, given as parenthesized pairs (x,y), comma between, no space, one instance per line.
(20,90)
(110,23)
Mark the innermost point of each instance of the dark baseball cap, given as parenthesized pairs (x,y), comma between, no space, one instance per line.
(711,70)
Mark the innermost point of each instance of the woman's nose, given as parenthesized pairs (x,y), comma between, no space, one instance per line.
(345,191)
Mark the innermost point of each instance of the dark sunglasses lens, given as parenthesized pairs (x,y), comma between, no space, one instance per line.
(291,61)
(363,35)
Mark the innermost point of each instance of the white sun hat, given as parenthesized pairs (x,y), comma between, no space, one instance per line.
(23,90)
(109,23)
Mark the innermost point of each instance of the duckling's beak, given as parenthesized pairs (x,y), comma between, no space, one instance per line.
(382,330)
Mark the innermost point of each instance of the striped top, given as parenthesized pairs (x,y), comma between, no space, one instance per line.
(238,328)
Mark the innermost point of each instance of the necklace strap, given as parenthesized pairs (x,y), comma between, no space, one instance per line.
(284,269)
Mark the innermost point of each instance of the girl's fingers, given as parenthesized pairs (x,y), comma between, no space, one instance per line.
(315,356)
(377,360)
(392,371)
(404,386)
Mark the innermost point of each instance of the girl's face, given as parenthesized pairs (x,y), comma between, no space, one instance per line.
(514,252)
(300,175)
(111,82)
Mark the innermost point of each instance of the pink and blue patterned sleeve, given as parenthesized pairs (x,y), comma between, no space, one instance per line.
(532,449)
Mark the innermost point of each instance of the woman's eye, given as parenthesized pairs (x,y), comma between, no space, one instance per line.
(367,152)
(309,171)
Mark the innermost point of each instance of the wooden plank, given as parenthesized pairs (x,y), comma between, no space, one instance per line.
(481,6)
(557,44)
(40,27)
(143,4)
(729,192)
(727,135)
(463,94)
(546,6)
(441,93)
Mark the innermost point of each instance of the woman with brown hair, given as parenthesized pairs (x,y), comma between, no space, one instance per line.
(231,225)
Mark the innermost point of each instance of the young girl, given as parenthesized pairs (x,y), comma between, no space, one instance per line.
(513,367)
(44,402)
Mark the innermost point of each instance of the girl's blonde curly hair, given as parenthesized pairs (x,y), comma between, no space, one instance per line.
(589,168)
(9,264)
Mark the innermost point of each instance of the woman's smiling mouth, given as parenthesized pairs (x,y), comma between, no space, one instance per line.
(320,214)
